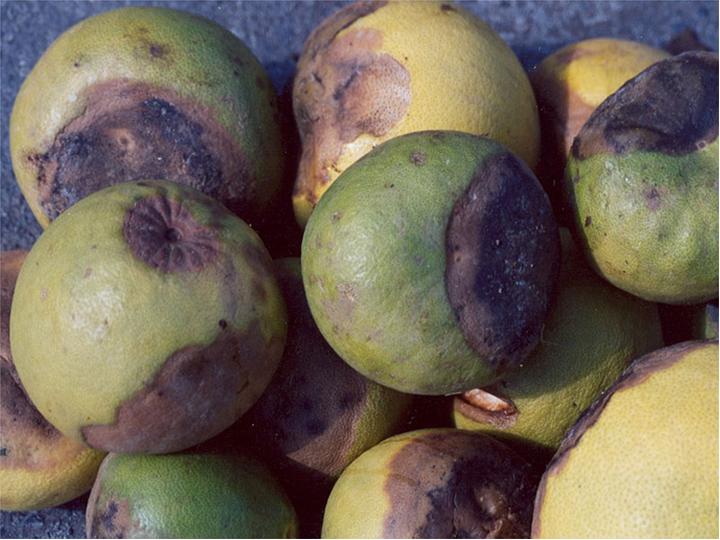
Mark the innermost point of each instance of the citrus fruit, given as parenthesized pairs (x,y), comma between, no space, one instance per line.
(429,264)
(146,319)
(642,182)
(376,70)
(145,92)
(642,462)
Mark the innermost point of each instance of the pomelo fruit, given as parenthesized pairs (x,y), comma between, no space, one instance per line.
(592,333)
(39,467)
(376,70)
(569,84)
(434,483)
(146,92)
(642,182)
(146,319)
(187,495)
(642,462)
(318,414)
(429,264)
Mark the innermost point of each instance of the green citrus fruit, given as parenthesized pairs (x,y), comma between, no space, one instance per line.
(433,483)
(143,92)
(642,180)
(591,334)
(642,462)
(429,263)
(146,319)
(187,495)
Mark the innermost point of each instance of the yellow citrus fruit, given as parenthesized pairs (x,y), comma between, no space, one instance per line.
(642,462)
(39,467)
(376,70)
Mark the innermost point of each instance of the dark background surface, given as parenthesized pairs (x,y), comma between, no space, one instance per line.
(275,32)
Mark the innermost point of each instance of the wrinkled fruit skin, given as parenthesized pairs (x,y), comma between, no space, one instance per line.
(142,92)
(569,84)
(429,264)
(433,483)
(146,319)
(187,495)
(318,414)
(642,182)
(375,70)
(642,461)
(39,467)
(592,333)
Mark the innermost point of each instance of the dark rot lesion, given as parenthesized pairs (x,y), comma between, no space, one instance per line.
(130,131)
(458,484)
(162,232)
(111,519)
(670,108)
(502,258)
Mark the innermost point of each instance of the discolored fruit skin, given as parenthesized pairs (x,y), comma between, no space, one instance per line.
(375,70)
(318,414)
(433,483)
(642,182)
(146,319)
(144,92)
(39,467)
(187,495)
(592,333)
(569,84)
(429,264)
(642,461)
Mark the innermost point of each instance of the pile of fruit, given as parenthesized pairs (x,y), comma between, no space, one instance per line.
(503,319)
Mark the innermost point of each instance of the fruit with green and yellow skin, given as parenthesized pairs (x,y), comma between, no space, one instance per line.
(642,182)
(318,414)
(433,483)
(592,333)
(569,84)
(642,462)
(376,70)
(187,495)
(145,92)
(146,319)
(429,264)
(39,467)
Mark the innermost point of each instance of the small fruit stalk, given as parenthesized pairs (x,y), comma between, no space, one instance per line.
(641,462)
(430,263)
(433,483)
(377,70)
(146,319)
(39,467)
(187,495)
(139,93)
(642,182)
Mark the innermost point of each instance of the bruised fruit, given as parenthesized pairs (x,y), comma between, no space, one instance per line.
(146,319)
(590,336)
(318,414)
(642,182)
(376,70)
(642,462)
(570,84)
(429,264)
(142,92)
(39,467)
(434,483)
(187,495)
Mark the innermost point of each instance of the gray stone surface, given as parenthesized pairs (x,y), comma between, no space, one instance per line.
(275,31)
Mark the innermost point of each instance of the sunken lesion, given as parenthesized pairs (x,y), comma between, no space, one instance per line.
(502,258)
(162,232)
(670,108)
(131,131)
(465,485)
(110,520)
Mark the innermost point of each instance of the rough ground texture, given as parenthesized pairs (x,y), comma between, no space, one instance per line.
(275,31)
